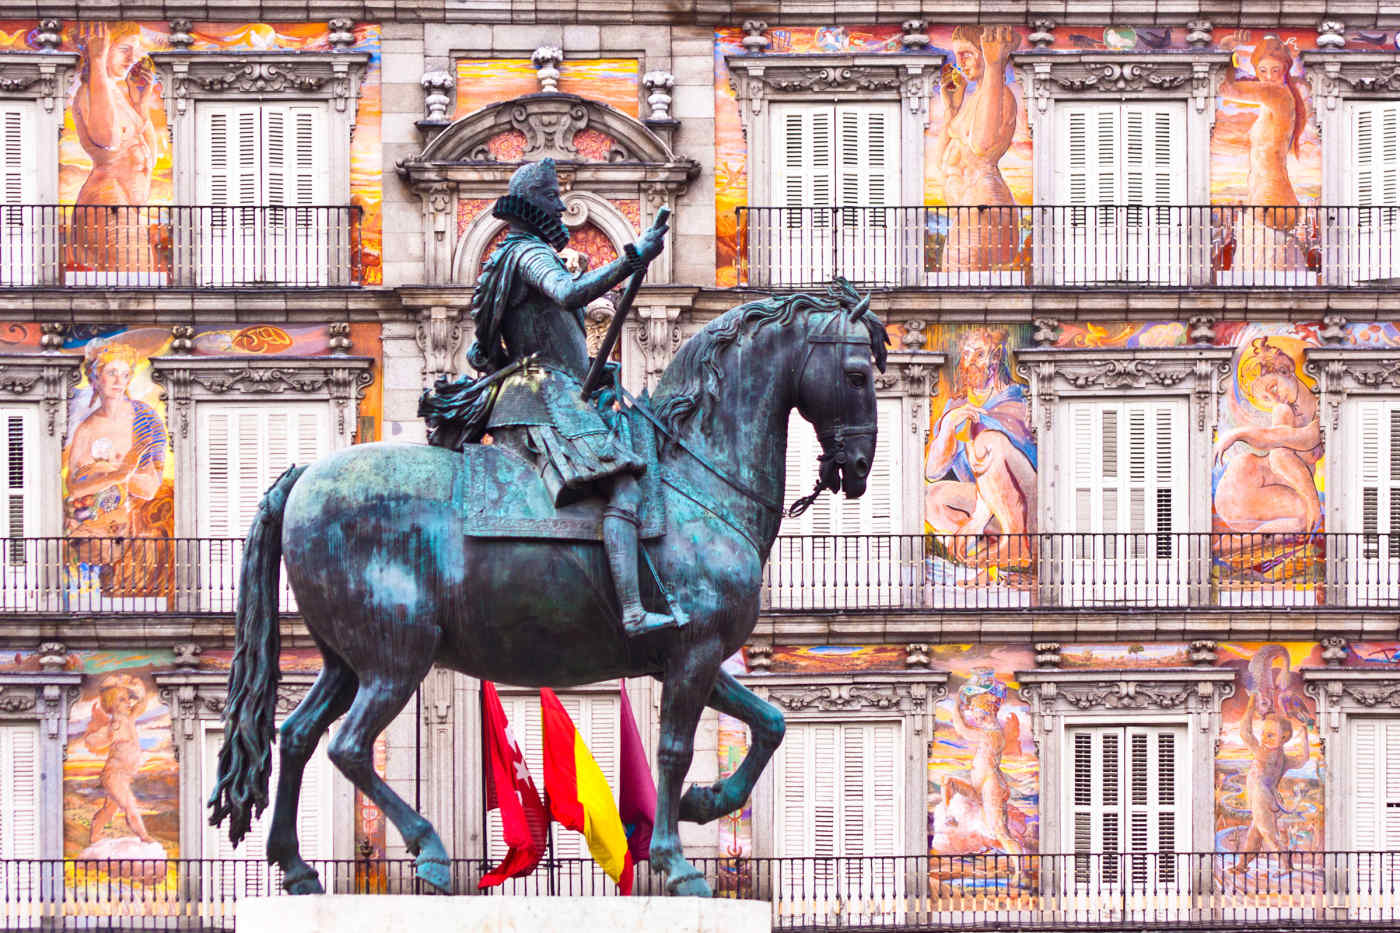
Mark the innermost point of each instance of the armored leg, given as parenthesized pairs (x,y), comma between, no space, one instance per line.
(620,540)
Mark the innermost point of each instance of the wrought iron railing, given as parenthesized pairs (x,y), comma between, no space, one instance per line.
(1105,891)
(816,573)
(1013,246)
(203,246)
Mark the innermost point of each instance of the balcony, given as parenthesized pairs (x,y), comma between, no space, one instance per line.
(1100,891)
(183,246)
(813,573)
(1061,246)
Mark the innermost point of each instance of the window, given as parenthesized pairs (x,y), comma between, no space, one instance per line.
(315,824)
(841,552)
(242,449)
(1127,789)
(18,242)
(1368,562)
(264,158)
(1372,244)
(19,792)
(840,794)
(596,716)
(1120,161)
(17,456)
(842,155)
(1126,499)
(1375,769)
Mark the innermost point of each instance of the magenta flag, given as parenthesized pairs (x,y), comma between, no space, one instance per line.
(636,794)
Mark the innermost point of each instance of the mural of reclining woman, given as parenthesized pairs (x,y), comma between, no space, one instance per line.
(1272,239)
(1268,484)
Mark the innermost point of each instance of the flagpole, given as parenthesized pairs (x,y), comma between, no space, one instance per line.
(485,764)
(549,844)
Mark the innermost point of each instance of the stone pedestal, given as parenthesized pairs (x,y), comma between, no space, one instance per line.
(408,913)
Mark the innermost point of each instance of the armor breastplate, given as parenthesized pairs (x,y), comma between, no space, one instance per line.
(537,325)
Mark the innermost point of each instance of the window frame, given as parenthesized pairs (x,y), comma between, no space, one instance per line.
(43,699)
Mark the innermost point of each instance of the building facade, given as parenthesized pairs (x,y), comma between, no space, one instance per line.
(1113,633)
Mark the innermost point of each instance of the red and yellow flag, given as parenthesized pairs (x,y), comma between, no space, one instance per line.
(578,794)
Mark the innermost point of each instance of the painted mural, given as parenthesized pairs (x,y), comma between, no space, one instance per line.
(1265,169)
(485,81)
(983,791)
(118,472)
(115,149)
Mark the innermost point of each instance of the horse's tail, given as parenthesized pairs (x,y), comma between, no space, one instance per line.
(245,761)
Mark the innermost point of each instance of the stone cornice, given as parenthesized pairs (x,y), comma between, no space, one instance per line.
(275,75)
(1051,75)
(1354,689)
(48,378)
(1125,689)
(41,76)
(44,696)
(907,695)
(1344,371)
(1337,75)
(758,79)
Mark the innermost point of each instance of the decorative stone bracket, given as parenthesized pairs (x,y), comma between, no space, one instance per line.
(44,381)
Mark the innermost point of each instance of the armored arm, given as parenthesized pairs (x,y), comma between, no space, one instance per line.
(543,270)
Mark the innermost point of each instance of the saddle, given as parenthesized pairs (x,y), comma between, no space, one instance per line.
(499,493)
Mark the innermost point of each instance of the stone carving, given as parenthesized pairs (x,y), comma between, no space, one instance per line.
(342,384)
(1334,330)
(16,701)
(1201,330)
(754,41)
(439,337)
(1047,654)
(342,34)
(546,60)
(830,698)
(182,339)
(261,77)
(1199,33)
(53,656)
(1379,693)
(659,337)
(191,75)
(49,36)
(759,658)
(1331,34)
(916,656)
(186,653)
(1047,331)
(338,337)
(914,34)
(1126,373)
(1042,34)
(1202,653)
(1129,76)
(1334,650)
(437,85)
(859,78)
(658,85)
(51,336)
(914,336)
(1383,79)
(180,34)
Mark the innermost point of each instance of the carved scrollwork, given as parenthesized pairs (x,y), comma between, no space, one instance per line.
(1131,76)
(1371,695)
(849,697)
(260,77)
(829,79)
(188,75)
(1051,75)
(1118,374)
(13,700)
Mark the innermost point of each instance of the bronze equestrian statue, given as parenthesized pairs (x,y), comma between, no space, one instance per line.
(402,556)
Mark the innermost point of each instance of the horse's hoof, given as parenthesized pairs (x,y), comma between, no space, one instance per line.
(701,803)
(435,871)
(690,885)
(306,882)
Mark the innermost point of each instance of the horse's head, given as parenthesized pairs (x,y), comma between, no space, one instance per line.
(836,387)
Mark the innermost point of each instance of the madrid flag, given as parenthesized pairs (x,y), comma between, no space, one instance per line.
(509,787)
(579,796)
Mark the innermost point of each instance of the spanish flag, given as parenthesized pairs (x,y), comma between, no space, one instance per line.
(578,794)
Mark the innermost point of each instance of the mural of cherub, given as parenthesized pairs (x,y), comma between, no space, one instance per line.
(121,698)
(975,718)
(1271,762)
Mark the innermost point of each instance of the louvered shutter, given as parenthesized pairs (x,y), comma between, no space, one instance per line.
(804,155)
(19,792)
(839,788)
(1095,803)
(229,165)
(1089,140)
(1153,153)
(803,449)
(243,448)
(867,157)
(1154,803)
(1376,447)
(17,149)
(1124,469)
(1375,162)
(1375,794)
(20,444)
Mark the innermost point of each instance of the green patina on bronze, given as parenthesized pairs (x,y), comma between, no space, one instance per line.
(377,548)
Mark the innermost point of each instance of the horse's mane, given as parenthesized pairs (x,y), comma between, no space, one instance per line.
(693,375)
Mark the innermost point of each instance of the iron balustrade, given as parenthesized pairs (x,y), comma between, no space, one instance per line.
(815,573)
(203,246)
(1049,246)
(1104,891)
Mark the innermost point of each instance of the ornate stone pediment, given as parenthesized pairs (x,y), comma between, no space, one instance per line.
(41,76)
(1336,75)
(908,695)
(1050,75)
(332,76)
(202,695)
(1341,372)
(42,696)
(1052,692)
(45,378)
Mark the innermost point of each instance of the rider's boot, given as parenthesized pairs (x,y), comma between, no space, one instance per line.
(620,541)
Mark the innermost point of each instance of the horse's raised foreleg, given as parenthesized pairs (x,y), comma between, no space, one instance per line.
(690,675)
(328,698)
(381,696)
(703,803)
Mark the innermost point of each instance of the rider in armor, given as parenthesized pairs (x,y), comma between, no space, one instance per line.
(528,312)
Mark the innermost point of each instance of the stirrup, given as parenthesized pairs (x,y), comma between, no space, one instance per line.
(648,622)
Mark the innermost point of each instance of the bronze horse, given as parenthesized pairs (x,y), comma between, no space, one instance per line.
(388,583)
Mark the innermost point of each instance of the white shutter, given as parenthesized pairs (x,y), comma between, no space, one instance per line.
(243,448)
(1375,787)
(1095,791)
(840,790)
(229,167)
(1155,801)
(18,452)
(867,154)
(1375,162)
(804,154)
(315,809)
(1376,449)
(19,792)
(1089,139)
(803,449)
(17,151)
(1125,474)
(1153,149)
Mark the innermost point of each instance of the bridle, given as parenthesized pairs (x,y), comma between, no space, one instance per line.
(833,439)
